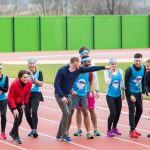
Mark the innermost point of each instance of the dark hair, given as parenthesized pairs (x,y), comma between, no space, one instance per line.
(83,58)
(82,49)
(21,73)
(138,55)
(73,59)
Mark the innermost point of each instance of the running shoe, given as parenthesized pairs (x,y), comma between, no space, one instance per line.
(78,132)
(67,139)
(138,133)
(116,131)
(133,134)
(35,133)
(3,135)
(31,133)
(110,133)
(96,132)
(17,140)
(89,136)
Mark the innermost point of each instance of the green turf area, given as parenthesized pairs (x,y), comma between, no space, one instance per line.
(49,72)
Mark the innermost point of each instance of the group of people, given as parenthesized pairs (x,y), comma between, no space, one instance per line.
(24,95)
(74,90)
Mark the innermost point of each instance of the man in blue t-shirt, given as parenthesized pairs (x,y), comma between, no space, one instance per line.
(134,80)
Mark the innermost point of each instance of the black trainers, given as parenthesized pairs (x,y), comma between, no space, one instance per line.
(35,134)
(31,133)
(17,140)
(12,135)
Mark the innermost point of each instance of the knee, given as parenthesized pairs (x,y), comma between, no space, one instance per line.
(85,113)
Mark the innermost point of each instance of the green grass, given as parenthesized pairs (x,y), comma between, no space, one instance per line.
(50,70)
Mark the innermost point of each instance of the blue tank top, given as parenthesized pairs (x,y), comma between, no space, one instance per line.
(136,79)
(81,84)
(2,83)
(35,87)
(113,89)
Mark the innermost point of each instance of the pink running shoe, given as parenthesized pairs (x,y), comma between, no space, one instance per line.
(3,135)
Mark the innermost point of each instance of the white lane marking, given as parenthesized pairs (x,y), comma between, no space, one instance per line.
(15,146)
(106,109)
(76,54)
(97,119)
(52,137)
(121,139)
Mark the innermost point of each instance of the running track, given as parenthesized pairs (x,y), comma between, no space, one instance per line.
(49,117)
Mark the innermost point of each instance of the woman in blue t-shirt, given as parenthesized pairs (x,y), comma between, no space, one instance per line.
(114,96)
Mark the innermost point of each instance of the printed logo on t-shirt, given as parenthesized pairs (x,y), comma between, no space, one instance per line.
(115,84)
(137,80)
(81,84)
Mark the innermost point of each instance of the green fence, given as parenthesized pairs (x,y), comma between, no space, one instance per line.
(53,33)
(34,33)
(135,31)
(80,32)
(6,34)
(107,32)
(26,33)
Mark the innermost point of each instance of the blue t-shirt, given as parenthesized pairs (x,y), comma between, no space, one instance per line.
(81,84)
(113,89)
(136,79)
(35,87)
(2,83)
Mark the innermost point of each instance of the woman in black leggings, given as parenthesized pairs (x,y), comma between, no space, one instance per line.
(31,109)
(114,96)
(18,97)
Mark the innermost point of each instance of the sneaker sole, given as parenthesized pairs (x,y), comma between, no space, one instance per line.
(110,136)
(97,135)
(35,135)
(90,137)
(67,141)
(17,143)
(77,135)
(134,137)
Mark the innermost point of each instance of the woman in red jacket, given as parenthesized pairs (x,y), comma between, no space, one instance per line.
(17,98)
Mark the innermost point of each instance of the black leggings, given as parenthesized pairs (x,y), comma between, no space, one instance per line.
(135,110)
(17,120)
(115,105)
(31,111)
(3,109)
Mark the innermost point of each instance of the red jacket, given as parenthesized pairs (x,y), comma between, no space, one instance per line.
(18,94)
